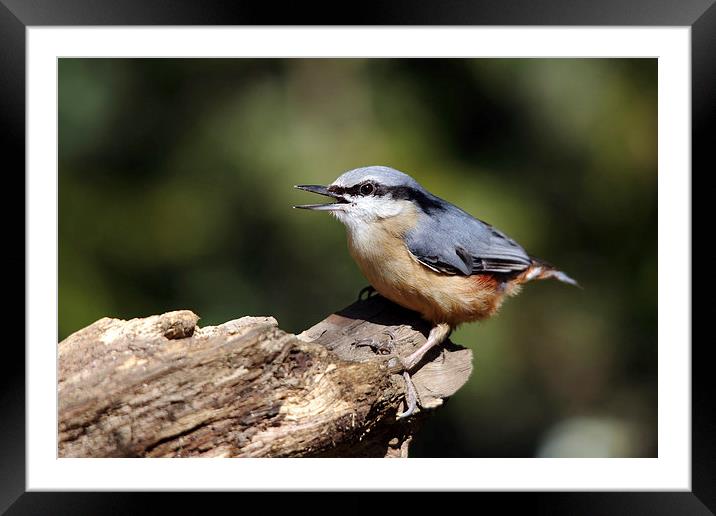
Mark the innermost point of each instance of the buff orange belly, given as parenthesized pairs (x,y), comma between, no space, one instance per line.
(397,275)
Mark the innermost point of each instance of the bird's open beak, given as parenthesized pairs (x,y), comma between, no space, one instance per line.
(321,190)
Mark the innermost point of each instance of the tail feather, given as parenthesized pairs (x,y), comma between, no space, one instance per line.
(561,276)
(543,270)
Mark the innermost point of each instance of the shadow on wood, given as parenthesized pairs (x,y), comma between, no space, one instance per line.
(163,387)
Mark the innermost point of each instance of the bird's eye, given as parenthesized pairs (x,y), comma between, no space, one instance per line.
(366,189)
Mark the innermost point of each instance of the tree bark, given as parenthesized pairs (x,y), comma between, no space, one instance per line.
(163,387)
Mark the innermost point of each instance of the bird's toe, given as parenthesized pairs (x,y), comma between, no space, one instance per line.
(411,397)
(366,293)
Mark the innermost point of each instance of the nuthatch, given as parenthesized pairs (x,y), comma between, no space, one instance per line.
(426,254)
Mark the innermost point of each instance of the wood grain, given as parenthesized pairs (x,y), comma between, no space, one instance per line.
(161,386)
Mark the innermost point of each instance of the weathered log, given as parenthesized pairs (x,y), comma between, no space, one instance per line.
(163,387)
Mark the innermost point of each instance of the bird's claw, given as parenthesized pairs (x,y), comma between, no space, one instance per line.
(368,292)
(379,347)
(395,365)
(411,397)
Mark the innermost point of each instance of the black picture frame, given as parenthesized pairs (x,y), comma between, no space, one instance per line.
(700,15)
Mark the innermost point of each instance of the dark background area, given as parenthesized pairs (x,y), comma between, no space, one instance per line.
(175,186)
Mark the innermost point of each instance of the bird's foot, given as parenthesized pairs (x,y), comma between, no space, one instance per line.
(400,364)
(381,347)
(396,364)
(368,292)
(411,397)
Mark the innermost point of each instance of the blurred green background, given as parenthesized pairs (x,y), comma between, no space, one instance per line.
(175,192)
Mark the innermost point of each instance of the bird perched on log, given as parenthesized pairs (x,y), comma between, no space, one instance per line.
(426,254)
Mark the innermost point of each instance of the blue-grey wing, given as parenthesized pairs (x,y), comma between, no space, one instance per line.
(453,242)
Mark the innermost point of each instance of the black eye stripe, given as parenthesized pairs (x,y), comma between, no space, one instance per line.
(352,190)
(427,204)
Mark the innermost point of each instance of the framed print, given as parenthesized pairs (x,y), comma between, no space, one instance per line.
(160,151)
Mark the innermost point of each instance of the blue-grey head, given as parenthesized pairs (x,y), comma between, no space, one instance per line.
(370,194)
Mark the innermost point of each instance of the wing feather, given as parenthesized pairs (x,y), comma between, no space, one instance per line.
(454,242)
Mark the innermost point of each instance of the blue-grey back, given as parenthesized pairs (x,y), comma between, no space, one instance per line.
(453,241)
